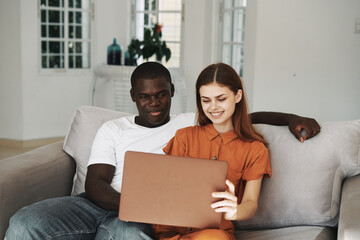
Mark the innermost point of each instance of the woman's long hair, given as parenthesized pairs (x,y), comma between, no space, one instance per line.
(225,75)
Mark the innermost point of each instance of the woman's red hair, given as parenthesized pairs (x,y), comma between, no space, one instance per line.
(225,75)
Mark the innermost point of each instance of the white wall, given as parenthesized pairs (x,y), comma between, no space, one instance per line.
(307,57)
(301,57)
(11,117)
(35,104)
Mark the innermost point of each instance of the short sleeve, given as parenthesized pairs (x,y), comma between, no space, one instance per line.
(102,150)
(177,145)
(258,165)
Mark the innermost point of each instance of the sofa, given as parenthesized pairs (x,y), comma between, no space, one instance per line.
(314,191)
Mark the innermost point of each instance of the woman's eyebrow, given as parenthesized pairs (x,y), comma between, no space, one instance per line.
(219,96)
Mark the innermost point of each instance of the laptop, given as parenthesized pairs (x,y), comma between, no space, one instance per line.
(171,190)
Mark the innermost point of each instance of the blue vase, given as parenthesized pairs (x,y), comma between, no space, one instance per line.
(114,54)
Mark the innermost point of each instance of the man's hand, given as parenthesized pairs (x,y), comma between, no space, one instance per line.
(303,128)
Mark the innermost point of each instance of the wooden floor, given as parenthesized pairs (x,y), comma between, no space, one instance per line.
(12,151)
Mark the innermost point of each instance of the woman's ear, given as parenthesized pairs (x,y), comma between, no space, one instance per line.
(238,96)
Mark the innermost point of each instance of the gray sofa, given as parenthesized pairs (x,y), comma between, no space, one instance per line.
(314,192)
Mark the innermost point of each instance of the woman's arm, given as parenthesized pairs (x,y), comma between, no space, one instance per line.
(249,203)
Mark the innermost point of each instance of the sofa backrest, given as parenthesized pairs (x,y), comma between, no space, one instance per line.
(79,139)
(306,180)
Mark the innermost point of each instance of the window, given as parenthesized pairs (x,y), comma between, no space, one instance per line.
(169,13)
(65,34)
(232,15)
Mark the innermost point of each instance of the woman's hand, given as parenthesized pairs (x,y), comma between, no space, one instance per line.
(229,204)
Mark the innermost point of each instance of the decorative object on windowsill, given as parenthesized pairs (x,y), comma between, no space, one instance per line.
(114,54)
(151,45)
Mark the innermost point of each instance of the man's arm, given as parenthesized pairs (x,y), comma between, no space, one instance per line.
(98,188)
(296,123)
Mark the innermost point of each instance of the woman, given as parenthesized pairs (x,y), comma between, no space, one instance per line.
(224,133)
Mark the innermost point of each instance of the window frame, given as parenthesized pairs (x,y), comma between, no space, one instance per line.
(133,29)
(65,39)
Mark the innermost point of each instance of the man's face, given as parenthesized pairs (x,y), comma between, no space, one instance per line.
(153,101)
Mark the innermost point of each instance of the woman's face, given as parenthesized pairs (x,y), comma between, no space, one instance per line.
(218,103)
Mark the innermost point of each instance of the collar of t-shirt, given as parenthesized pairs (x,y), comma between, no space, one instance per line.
(212,134)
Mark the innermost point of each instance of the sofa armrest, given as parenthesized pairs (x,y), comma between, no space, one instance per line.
(349,219)
(42,173)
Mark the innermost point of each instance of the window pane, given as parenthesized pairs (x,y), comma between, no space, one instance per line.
(71,17)
(54,3)
(174,5)
(171,26)
(43,16)
(78,62)
(79,3)
(43,47)
(153,5)
(43,31)
(149,19)
(71,32)
(146,19)
(71,46)
(71,61)
(56,47)
(240,3)
(78,47)
(78,32)
(239,23)
(55,31)
(146,4)
(56,61)
(238,58)
(44,62)
(78,17)
(226,27)
(226,54)
(54,16)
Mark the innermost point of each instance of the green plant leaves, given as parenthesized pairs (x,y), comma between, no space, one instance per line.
(151,45)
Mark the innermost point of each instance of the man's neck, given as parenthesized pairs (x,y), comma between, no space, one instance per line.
(141,122)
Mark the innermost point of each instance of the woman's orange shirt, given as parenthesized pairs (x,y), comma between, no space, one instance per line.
(246,161)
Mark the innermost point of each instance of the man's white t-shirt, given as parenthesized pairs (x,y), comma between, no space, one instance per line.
(117,136)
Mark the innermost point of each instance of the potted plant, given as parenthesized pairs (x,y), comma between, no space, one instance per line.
(151,45)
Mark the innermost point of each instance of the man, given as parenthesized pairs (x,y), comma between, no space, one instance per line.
(93,215)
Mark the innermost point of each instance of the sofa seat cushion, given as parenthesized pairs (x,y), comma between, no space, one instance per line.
(293,233)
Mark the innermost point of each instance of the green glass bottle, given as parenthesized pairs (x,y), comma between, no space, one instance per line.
(114,54)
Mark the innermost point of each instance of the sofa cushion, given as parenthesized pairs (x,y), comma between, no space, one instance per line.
(79,139)
(305,185)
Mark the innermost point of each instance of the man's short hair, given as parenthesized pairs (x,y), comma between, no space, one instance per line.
(150,70)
